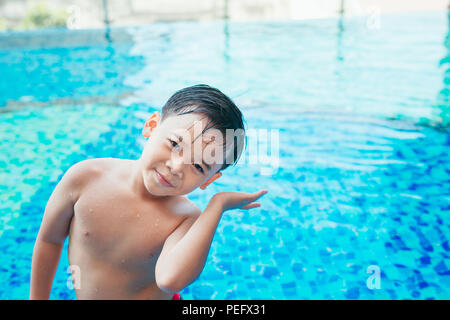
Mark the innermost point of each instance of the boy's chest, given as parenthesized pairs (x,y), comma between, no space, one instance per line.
(110,223)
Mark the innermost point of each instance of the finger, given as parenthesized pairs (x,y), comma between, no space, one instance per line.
(251,205)
(258,194)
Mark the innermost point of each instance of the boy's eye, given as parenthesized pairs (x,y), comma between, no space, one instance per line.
(198,167)
(174,143)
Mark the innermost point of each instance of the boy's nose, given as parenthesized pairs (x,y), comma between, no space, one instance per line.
(176,165)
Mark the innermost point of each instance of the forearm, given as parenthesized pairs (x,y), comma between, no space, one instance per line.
(43,268)
(186,260)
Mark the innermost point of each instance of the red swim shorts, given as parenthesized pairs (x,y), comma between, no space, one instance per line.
(177,296)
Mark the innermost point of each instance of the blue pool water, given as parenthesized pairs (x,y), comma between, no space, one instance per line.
(364,172)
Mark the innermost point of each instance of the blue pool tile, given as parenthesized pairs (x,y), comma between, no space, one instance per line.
(230,295)
(442,269)
(269,272)
(289,289)
(204,291)
(425,260)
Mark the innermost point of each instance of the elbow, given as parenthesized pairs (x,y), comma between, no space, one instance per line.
(168,284)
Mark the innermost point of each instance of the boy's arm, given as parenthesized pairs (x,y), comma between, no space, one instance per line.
(185,251)
(54,229)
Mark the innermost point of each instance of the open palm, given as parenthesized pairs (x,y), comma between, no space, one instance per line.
(239,200)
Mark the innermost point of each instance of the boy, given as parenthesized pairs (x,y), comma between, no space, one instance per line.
(132,232)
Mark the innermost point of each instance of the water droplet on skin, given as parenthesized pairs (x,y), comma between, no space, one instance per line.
(90,210)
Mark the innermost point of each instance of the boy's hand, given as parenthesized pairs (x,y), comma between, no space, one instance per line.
(238,200)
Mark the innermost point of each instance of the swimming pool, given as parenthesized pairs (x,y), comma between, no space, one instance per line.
(364,173)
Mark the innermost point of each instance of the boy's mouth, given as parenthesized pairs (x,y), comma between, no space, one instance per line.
(162,180)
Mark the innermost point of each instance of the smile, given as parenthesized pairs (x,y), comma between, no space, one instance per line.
(162,180)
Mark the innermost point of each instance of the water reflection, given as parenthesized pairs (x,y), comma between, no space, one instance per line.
(109,42)
(226,34)
(340,32)
(443,99)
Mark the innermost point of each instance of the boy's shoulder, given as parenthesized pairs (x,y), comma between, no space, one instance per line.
(182,206)
(90,167)
(81,173)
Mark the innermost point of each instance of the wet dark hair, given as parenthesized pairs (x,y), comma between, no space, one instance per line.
(221,111)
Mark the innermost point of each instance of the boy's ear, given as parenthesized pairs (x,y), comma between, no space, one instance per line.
(151,124)
(216,176)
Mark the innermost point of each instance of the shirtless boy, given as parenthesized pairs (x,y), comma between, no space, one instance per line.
(132,232)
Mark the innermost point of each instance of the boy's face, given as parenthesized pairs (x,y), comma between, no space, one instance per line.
(172,163)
